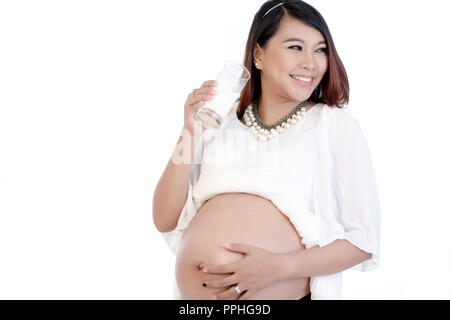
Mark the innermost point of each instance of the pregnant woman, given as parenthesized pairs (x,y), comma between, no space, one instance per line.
(282,198)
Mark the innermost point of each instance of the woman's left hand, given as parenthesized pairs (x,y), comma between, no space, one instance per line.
(258,269)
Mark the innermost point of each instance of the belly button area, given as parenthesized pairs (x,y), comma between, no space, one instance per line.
(199,266)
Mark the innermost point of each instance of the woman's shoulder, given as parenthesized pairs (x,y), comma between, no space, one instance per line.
(338,116)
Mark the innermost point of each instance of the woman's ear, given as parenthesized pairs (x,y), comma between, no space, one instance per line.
(257,56)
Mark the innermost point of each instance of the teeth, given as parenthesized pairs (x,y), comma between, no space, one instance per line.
(302,79)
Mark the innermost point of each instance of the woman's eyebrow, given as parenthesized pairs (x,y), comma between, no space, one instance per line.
(301,40)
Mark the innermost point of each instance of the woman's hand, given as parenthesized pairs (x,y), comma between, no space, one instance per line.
(195,101)
(257,270)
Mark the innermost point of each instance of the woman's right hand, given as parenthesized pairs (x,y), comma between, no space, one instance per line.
(195,101)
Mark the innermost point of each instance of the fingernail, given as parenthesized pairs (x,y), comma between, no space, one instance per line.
(226,245)
(205,285)
(204,269)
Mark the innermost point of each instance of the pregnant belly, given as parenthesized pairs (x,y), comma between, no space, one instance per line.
(242,218)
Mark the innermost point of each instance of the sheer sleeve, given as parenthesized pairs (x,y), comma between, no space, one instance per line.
(358,208)
(189,210)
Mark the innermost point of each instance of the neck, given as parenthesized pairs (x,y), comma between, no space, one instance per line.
(272,110)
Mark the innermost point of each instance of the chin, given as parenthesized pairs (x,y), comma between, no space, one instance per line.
(302,98)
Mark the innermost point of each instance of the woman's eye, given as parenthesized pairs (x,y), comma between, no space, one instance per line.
(321,49)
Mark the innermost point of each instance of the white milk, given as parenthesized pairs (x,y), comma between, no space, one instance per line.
(222,102)
(220,105)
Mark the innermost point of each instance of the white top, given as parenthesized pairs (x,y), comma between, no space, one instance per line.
(319,173)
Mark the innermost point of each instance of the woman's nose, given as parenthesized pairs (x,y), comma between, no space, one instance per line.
(307,62)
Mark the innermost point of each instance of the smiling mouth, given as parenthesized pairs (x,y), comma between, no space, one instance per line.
(305,80)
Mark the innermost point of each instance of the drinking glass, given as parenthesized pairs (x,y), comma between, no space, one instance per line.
(231,80)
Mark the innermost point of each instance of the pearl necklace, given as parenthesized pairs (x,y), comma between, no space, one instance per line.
(264,132)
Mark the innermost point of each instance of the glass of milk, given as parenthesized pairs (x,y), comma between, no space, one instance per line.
(231,80)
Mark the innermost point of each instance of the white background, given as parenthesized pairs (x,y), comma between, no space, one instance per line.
(91,106)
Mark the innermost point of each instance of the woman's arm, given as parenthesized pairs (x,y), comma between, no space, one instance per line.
(172,189)
(335,257)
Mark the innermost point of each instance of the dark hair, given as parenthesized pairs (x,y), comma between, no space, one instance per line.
(333,90)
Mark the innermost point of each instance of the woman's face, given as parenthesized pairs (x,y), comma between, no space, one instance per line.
(295,50)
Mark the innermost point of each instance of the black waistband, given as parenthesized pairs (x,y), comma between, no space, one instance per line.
(305,298)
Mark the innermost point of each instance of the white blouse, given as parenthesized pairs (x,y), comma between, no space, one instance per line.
(319,173)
